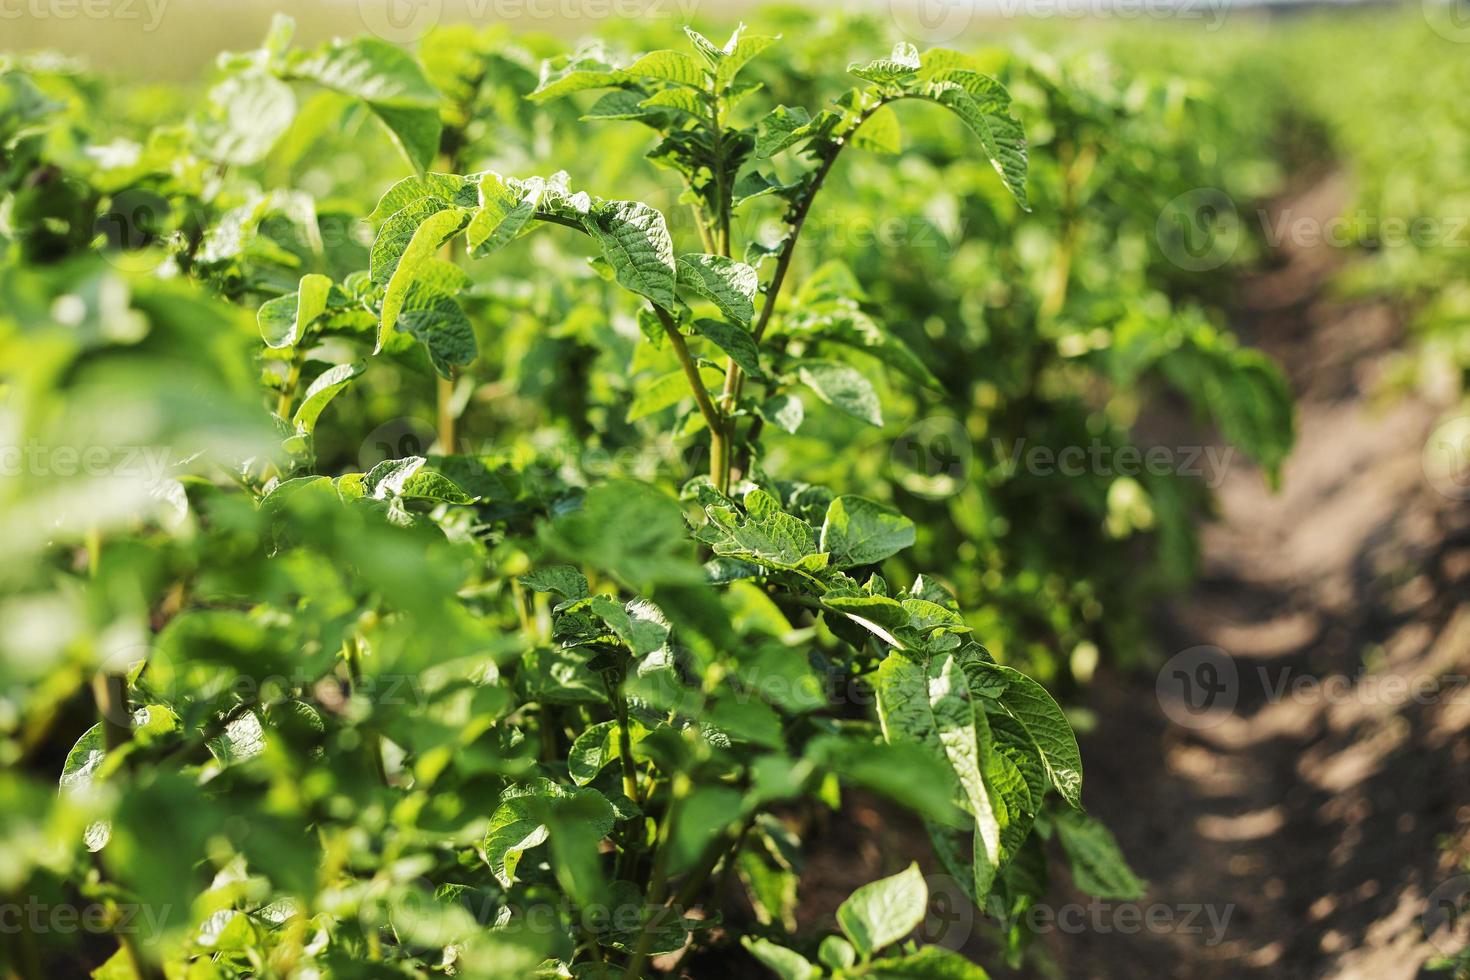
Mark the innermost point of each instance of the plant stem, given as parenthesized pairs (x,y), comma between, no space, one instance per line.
(111,694)
(445,398)
(28,966)
(625,748)
(717,850)
(1077,167)
(734,377)
(712,417)
(658,881)
(94,550)
(288,387)
(444,388)
(352,650)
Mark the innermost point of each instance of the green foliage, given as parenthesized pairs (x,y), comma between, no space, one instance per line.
(501,601)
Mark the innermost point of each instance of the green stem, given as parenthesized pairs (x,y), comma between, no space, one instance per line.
(445,397)
(734,377)
(691,370)
(28,962)
(352,650)
(716,851)
(288,387)
(625,748)
(658,881)
(111,694)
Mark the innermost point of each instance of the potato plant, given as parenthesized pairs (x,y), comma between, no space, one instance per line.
(470,710)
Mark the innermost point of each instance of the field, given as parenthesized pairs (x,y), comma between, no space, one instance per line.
(632,493)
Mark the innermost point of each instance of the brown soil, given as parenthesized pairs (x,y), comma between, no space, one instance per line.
(1322,819)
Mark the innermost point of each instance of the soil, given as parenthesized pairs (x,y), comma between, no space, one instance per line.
(1309,830)
(1320,816)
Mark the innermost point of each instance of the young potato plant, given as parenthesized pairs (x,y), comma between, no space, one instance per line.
(459,713)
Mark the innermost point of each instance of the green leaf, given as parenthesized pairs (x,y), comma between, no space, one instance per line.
(422,246)
(635,241)
(417,132)
(283,320)
(320,393)
(734,341)
(566,580)
(448,188)
(928,963)
(503,214)
(859,531)
(407,478)
(1097,863)
(370,69)
(881,133)
(784,411)
(966,739)
(576,75)
(248,112)
(396,233)
(738,53)
(782,127)
(683,100)
(841,386)
(730,285)
(837,953)
(640,624)
(706,48)
(531,813)
(909,773)
(842,321)
(787,964)
(666,391)
(669,66)
(982,103)
(79,771)
(884,911)
(624,103)
(902,64)
(756,184)
(440,324)
(514,829)
(1044,723)
(593,749)
(766,536)
(390,81)
(631,531)
(242,740)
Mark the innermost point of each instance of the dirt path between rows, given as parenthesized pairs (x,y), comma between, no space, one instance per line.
(1304,832)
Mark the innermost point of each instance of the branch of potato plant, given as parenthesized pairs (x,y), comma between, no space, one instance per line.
(352,652)
(658,879)
(722,847)
(444,387)
(691,370)
(111,693)
(734,376)
(715,421)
